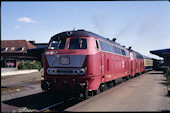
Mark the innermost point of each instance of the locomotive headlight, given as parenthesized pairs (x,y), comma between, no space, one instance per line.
(82,71)
(53,70)
(48,70)
(76,71)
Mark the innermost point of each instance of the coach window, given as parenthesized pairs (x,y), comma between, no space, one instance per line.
(97,45)
(57,43)
(78,44)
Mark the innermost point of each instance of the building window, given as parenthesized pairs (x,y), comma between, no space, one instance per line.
(20,49)
(4,49)
(12,48)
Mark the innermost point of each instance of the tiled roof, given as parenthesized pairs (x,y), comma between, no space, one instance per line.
(10,44)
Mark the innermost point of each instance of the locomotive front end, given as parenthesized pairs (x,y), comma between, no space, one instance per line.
(65,66)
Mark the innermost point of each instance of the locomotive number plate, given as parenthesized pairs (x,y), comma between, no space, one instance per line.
(64,60)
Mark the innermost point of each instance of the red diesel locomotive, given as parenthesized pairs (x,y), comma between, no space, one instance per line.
(137,63)
(82,63)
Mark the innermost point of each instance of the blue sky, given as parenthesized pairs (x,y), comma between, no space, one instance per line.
(144,25)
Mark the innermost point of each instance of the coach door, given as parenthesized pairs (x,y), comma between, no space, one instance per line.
(103,58)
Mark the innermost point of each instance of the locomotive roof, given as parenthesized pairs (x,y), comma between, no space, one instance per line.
(130,50)
(80,33)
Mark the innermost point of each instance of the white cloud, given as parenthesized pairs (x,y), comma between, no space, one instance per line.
(25,19)
(17,27)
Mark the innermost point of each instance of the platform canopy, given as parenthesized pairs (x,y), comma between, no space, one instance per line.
(161,53)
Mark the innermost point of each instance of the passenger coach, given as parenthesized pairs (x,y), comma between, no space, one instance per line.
(148,63)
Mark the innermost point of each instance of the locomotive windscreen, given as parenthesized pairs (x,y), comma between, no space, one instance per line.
(57,43)
(78,44)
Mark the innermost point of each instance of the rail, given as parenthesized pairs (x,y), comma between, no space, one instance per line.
(51,106)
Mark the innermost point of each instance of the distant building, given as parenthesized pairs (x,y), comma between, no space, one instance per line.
(164,53)
(37,52)
(15,51)
(39,45)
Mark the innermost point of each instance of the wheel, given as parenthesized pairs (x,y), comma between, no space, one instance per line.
(129,77)
(104,87)
(86,96)
(110,84)
(124,79)
(97,91)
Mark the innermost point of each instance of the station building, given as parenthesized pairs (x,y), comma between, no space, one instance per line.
(37,52)
(15,51)
(164,53)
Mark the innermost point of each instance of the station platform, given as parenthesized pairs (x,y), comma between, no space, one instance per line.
(147,92)
(15,71)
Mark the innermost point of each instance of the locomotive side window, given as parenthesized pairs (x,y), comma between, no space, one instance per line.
(117,50)
(102,45)
(78,44)
(112,49)
(57,44)
(138,56)
(97,45)
(123,52)
(127,53)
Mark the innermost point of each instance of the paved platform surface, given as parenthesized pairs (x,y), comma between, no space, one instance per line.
(146,92)
(15,71)
(8,69)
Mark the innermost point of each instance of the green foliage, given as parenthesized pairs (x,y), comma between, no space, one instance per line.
(39,65)
(168,71)
(36,65)
(168,77)
(20,66)
(28,65)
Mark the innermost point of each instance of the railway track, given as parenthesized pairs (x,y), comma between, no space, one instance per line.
(49,108)
(60,105)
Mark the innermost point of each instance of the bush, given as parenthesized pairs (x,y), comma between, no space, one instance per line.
(168,71)
(20,66)
(39,65)
(36,65)
(24,67)
(28,65)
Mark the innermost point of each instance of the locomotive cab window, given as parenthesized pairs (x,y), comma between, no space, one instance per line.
(77,44)
(57,43)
